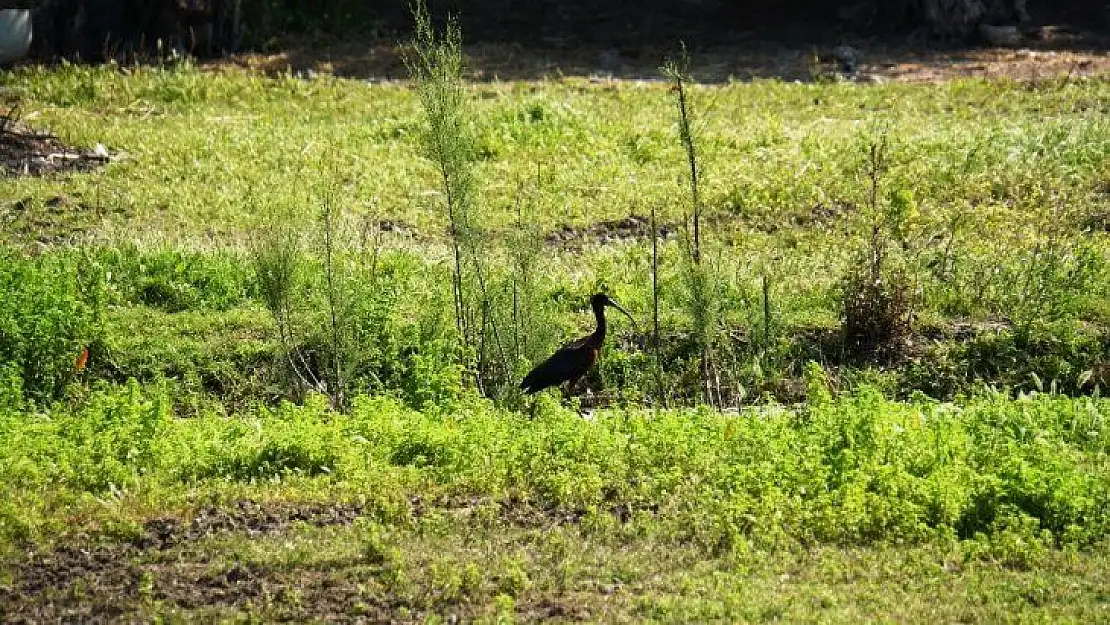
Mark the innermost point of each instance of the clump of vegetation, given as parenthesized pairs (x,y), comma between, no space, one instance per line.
(842,470)
(436,62)
(1056,271)
(699,277)
(279,266)
(175,280)
(878,299)
(351,317)
(51,313)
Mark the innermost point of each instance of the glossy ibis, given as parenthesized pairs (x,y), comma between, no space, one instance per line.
(574,359)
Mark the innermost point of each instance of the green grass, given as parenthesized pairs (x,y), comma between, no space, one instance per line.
(873,500)
(470,509)
(845,471)
(499,572)
(209,151)
(231,142)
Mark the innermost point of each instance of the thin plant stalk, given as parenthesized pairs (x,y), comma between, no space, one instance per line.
(337,347)
(688,143)
(660,396)
(435,62)
(698,279)
(487,313)
(766,286)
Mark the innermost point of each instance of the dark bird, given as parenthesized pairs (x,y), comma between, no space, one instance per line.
(574,359)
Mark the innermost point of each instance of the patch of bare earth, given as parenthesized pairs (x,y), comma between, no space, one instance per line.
(166,568)
(1046,54)
(109,580)
(25,151)
(631,228)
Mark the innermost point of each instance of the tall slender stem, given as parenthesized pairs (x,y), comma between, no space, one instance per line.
(692,160)
(333,297)
(661,398)
(766,310)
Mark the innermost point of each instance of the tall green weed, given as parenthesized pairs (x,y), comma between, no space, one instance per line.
(51,309)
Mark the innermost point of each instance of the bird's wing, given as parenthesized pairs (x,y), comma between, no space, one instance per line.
(570,361)
(574,345)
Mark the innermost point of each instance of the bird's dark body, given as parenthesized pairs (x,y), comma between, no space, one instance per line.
(569,364)
(573,360)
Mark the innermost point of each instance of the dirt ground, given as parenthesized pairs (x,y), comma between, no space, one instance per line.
(28,151)
(1048,53)
(167,567)
(100,580)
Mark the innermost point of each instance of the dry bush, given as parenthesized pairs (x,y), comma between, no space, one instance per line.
(877,313)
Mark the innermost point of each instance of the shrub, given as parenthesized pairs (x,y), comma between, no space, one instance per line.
(876,311)
(174,280)
(111,441)
(877,297)
(50,310)
(846,470)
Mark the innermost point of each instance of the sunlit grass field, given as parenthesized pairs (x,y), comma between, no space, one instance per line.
(203,150)
(177,473)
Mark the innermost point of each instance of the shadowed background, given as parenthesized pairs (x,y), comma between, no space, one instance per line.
(95,30)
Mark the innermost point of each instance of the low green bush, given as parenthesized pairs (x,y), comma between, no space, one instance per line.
(176,280)
(50,310)
(853,469)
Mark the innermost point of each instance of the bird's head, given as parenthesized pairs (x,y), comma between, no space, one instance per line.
(600,300)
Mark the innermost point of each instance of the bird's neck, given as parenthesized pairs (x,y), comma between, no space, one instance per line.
(599,314)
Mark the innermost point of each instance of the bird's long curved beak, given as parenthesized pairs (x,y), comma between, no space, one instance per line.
(620,308)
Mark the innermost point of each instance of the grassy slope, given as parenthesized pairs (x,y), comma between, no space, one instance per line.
(813,530)
(1013,164)
(233,143)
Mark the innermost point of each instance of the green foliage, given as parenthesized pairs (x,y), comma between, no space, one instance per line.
(11,388)
(175,280)
(843,470)
(700,278)
(970,205)
(435,62)
(1054,358)
(269,446)
(50,310)
(279,268)
(1052,281)
(353,319)
(878,299)
(112,442)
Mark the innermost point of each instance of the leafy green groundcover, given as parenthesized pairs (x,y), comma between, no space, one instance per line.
(1014,476)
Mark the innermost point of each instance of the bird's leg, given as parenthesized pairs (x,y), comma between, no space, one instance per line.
(569,390)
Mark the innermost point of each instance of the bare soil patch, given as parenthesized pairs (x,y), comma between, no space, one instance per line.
(96,579)
(246,516)
(110,583)
(25,151)
(106,580)
(631,228)
(1049,54)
